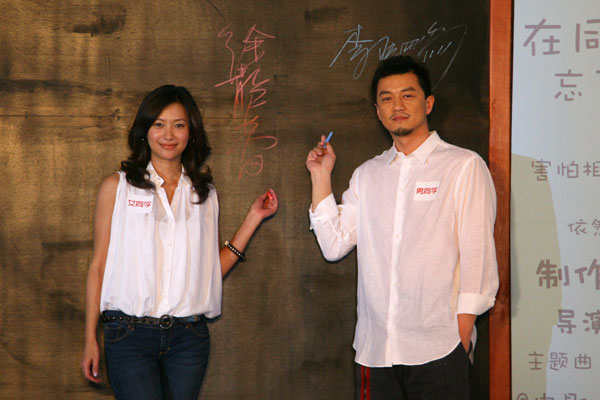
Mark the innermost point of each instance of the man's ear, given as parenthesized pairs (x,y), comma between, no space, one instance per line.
(428,102)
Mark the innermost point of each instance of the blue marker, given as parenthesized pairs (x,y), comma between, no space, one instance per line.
(327,140)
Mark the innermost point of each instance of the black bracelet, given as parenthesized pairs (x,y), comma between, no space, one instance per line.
(235,251)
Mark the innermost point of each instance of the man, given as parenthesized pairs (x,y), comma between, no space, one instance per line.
(421,215)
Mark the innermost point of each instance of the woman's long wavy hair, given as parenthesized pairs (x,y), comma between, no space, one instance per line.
(195,153)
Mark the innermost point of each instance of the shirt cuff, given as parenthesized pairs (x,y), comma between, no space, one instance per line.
(473,303)
(326,210)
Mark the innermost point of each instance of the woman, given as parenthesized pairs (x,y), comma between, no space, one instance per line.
(157,265)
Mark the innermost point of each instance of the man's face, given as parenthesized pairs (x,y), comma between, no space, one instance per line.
(401,104)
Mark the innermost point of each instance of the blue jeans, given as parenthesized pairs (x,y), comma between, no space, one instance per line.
(148,362)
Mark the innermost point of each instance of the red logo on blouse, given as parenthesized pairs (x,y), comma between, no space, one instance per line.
(139,203)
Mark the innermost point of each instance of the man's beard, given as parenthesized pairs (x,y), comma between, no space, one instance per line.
(402,132)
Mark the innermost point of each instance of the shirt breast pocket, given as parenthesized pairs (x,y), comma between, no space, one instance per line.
(426,191)
(139,204)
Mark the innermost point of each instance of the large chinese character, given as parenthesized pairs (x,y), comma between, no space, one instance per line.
(569,92)
(548,273)
(583,361)
(550,40)
(535,362)
(558,361)
(565,322)
(540,168)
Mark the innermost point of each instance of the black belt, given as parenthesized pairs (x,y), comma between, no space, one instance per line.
(164,322)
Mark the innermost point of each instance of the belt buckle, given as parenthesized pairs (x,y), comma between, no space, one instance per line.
(166,321)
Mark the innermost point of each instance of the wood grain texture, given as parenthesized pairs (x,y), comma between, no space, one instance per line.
(500,117)
(72,74)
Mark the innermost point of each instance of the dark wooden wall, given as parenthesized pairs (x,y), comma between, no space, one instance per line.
(72,74)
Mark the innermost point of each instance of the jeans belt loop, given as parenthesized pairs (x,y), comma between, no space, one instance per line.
(166,321)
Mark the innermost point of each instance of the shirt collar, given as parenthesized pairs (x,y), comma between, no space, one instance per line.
(158,181)
(391,154)
(422,153)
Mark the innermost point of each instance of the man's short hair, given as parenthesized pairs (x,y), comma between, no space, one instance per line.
(401,65)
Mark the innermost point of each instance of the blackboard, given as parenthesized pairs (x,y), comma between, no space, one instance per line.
(270,77)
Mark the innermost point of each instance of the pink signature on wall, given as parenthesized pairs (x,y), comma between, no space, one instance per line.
(250,95)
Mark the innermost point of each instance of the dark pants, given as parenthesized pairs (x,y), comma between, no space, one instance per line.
(443,379)
(150,363)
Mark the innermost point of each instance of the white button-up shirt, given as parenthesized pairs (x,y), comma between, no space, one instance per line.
(163,258)
(423,227)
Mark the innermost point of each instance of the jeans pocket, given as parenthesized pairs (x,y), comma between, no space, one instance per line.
(199,329)
(115,332)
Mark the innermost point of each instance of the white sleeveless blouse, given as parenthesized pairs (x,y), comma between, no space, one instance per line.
(163,258)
